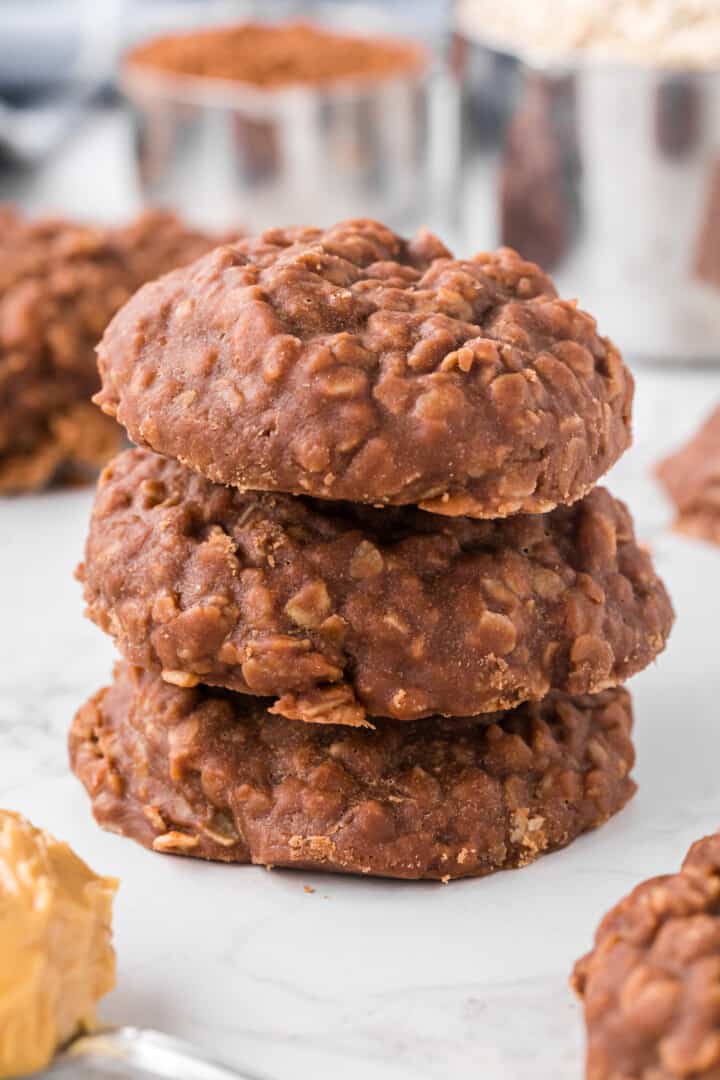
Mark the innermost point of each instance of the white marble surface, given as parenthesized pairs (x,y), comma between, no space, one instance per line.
(363,978)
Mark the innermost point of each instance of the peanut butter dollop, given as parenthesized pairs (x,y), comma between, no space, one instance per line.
(56,955)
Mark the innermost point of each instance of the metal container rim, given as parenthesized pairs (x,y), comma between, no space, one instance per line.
(143,80)
(581,61)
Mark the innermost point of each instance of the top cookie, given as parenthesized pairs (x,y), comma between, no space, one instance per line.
(352,364)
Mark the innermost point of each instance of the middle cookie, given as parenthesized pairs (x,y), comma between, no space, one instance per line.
(338,610)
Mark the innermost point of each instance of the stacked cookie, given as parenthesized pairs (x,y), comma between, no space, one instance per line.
(374,616)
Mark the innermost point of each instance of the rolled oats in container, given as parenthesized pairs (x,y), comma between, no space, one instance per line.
(600,158)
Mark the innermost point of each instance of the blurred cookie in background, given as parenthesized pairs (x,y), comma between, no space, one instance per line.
(60,284)
(691,477)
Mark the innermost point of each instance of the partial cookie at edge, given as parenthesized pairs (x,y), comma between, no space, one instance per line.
(60,283)
(650,984)
(78,443)
(214,775)
(692,478)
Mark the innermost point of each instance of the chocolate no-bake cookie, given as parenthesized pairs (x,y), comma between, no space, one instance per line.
(213,774)
(692,479)
(60,283)
(341,609)
(352,364)
(651,985)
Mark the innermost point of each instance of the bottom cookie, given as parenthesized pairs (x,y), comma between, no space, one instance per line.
(78,442)
(212,774)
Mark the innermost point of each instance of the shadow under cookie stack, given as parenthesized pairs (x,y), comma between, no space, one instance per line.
(374,617)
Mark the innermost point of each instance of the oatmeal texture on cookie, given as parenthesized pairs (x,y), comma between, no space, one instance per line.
(352,364)
(214,775)
(339,610)
(650,986)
